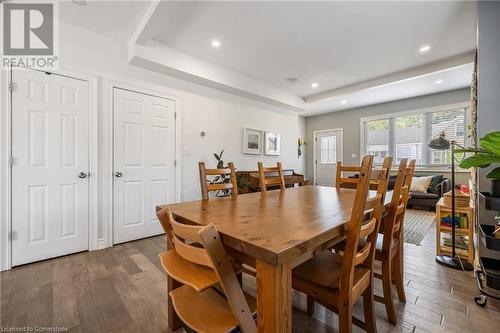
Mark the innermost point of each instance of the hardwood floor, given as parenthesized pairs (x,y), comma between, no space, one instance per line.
(123,289)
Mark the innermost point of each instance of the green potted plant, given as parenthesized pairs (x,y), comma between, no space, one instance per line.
(487,154)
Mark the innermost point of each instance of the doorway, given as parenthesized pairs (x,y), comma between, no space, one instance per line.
(50,165)
(144,150)
(327,152)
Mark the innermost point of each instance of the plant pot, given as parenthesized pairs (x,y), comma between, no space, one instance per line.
(495,188)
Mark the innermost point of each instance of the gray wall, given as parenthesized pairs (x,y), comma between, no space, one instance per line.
(488,114)
(349,120)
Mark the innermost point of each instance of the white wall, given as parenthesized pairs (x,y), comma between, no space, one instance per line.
(221,115)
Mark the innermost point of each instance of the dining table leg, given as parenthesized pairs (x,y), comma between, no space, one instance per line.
(274,298)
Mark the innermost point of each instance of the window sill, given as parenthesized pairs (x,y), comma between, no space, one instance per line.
(436,170)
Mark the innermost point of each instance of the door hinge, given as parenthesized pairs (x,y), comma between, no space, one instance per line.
(11,161)
(175,115)
(316,161)
(175,163)
(12,86)
(12,235)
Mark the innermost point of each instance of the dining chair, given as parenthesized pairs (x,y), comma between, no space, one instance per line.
(227,176)
(273,181)
(341,180)
(389,250)
(338,281)
(199,262)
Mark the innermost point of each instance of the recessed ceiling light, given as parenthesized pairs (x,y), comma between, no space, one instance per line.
(314,85)
(343,101)
(216,43)
(439,81)
(424,48)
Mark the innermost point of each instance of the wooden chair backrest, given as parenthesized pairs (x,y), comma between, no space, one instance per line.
(358,228)
(400,196)
(344,182)
(202,245)
(228,175)
(264,182)
(341,181)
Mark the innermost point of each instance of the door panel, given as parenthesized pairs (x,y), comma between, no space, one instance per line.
(328,152)
(144,154)
(50,135)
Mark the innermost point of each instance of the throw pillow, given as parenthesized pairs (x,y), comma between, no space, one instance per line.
(420,184)
(435,181)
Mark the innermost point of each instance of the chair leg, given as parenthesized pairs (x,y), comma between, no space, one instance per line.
(345,319)
(310,305)
(387,286)
(397,267)
(369,310)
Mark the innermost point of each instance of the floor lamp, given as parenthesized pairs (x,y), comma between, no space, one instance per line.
(441,143)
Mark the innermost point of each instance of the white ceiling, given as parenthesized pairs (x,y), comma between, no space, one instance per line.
(331,43)
(340,45)
(114,19)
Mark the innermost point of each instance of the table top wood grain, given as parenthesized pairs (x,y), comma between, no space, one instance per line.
(276,226)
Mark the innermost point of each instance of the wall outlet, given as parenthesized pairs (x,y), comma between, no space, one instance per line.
(354,155)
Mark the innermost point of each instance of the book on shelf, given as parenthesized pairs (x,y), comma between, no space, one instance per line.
(461,242)
(460,221)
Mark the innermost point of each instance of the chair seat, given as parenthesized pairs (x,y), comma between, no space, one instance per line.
(196,276)
(207,311)
(324,271)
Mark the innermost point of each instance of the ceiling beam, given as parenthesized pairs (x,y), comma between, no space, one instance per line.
(400,76)
(144,32)
(164,59)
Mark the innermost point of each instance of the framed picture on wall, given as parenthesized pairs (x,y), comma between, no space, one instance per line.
(252,141)
(272,143)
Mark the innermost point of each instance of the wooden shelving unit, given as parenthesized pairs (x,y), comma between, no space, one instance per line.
(443,231)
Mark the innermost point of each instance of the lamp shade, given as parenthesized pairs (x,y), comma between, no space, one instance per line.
(440,143)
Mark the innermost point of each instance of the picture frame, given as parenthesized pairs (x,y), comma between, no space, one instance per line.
(252,141)
(272,144)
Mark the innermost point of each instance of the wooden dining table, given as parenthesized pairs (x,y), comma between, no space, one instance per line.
(273,232)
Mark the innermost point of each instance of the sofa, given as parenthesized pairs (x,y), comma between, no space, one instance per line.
(428,200)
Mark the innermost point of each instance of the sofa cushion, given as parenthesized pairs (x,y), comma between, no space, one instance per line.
(435,181)
(424,195)
(420,184)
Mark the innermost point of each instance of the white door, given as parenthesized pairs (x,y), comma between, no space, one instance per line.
(144,157)
(50,149)
(328,145)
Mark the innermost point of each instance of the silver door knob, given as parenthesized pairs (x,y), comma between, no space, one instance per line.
(118,174)
(83,174)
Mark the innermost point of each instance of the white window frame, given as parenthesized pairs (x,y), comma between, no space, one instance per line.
(334,150)
(392,116)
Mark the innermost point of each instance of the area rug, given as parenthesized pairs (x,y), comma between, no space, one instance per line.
(417,223)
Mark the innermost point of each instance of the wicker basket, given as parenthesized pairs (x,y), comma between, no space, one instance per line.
(461,199)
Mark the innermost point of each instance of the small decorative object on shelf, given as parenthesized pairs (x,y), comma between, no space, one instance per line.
(464,229)
(461,199)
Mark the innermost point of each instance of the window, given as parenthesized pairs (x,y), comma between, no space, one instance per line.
(328,150)
(407,136)
(377,138)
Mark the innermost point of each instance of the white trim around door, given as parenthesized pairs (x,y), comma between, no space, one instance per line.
(315,134)
(6,161)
